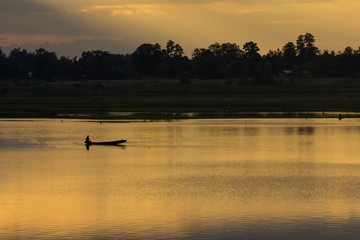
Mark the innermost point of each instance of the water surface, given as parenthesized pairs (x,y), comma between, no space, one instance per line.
(200,179)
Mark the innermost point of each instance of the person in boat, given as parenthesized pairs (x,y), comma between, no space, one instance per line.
(87,140)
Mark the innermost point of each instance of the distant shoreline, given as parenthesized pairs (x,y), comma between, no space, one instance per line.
(169,99)
(279,80)
(183,116)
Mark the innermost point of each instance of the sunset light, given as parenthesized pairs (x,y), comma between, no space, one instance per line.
(193,24)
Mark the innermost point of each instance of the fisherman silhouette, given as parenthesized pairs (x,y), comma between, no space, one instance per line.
(87,140)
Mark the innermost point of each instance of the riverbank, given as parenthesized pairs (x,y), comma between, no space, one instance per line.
(101,99)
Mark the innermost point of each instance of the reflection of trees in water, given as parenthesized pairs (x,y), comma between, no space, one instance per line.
(289,130)
(299,130)
(251,131)
(241,130)
(305,130)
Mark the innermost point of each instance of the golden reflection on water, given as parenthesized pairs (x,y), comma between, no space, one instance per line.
(196,178)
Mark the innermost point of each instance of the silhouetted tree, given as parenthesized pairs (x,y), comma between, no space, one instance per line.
(204,64)
(289,54)
(98,64)
(232,59)
(348,51)
(350,62)
(251,50)
(265,73)
(146,57)
(65,69)
(311,49)
(253,58)
(305,46)
(300,46)
(4,67)
(95,64)
(20,63)
(219,60)
(275,58)
(174,50)
(174,63)
(44,64)
(356,52)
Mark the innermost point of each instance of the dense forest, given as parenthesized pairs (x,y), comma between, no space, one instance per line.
(225,61)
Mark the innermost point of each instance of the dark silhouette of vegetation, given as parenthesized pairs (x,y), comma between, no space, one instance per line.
(218,61)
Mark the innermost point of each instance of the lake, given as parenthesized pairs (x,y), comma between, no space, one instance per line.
(186,179)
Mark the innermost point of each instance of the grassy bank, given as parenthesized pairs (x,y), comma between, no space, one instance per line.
(170,101)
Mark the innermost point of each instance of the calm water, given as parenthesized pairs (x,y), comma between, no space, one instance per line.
(200,179)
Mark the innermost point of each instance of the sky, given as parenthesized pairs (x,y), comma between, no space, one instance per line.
(69,27)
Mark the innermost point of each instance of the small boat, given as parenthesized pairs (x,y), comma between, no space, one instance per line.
(118,142)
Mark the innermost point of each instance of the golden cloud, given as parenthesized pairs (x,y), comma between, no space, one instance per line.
(7,39)
(287,21)
(126,9)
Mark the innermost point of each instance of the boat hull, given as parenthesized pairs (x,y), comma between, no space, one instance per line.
(118,142)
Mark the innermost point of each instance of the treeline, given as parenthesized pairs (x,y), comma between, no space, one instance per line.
(225,61)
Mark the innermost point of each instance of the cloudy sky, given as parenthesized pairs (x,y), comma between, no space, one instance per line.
(119,26)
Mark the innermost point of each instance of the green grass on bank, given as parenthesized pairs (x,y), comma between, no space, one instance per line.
(51,101)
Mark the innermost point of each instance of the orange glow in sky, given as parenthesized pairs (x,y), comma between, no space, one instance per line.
(193,24)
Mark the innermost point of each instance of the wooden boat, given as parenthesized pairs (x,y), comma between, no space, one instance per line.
(118,142)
